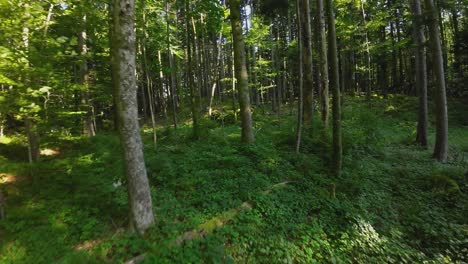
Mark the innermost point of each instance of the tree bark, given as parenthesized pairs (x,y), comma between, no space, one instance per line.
(421,72)
(193,91)
(367,80)
(123,56)
(241,72)
(306,52)
(171,68)
(335,86)
(300,107)
(441,144)
(88,124)
(323,64)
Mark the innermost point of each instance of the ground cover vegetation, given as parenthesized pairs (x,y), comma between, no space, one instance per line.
(207,131)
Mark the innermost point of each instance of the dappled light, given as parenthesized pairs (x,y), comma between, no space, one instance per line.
(240,131)
(49,152)
(6,178)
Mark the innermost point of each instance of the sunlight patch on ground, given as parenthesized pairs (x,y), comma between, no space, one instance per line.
(87,244)
(50,152)
(14,252)
(7,178)
(5,140)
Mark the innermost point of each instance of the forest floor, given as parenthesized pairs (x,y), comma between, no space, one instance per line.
(217,201)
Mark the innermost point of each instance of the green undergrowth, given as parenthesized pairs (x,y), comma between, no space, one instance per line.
(393,203)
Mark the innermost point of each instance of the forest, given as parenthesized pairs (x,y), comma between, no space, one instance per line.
(233,131)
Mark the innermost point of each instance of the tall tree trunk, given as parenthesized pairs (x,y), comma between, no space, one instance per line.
(241,72)
(162,85)
(335,87)
(171,68)
(382,79)
(421,71)
(456,41)
(141,210)
(300,107)
(323,64)
(193,91)
(306,52)
(367,80)
(441,144)
(88,124)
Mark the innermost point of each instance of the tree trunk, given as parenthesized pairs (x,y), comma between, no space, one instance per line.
(382,79)
(421,72)
(241,72)
(88,125)
(456,41)
(171,68)
(300,108)
(306,52)
(193,90)
(367,80)
(335,87)
(441,144)
(141,211)
(323,64)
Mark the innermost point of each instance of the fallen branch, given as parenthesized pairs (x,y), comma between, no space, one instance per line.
(221,219)
(136,259)
(209,226)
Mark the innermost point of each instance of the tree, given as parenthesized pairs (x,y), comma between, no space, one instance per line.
(335,86)
(306,52)
(124,65)
(300,108)
(241,72)
(421,71)
(441,143)
(83,80)
(323,64)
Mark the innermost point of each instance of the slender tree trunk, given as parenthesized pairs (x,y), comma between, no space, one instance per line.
(334,84)
(141,210)
(163,86)
(382,79)
(443,42)
(323,64)
(456,41)
(88,125)
(306,38)
(441,144)
(367,80)
(216,73)
(171,68)
(241,72)
(300,108)
(421,71)
(193,90)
